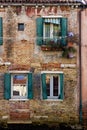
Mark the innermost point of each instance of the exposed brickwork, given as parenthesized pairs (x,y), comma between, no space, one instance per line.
(23,53)
(19,110)
(1,85)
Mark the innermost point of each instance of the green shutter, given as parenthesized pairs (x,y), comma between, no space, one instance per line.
(63,22)
(7,85)
(1,31)
(30,91)
(39,30)
(44,93)
(61,86)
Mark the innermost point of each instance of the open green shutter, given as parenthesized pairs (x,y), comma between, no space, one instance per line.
(1,31)
(61,85)
(63,22)
(30,91)
(7,86)
(44,92)
(39,30)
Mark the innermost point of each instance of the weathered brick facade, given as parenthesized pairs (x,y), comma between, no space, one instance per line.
(21,50)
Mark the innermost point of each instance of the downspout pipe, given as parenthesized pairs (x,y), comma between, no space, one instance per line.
(80,66)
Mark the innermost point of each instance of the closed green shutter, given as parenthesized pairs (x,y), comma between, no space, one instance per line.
(39,31)
(61,86)
(63,22)
(7,86)
(44,92)
(30,91)
(1,31)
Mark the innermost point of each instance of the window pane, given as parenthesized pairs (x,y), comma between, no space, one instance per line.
(56,30)
(47,30)
(19,85)
(55,85)
(48,85)
(20,26)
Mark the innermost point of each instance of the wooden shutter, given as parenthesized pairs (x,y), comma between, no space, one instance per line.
(30,91)
(7,86)
(44,92)
(1,31)
(61,85)
(63,22)
(39,31)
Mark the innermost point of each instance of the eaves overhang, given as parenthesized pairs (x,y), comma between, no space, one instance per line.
(40,2)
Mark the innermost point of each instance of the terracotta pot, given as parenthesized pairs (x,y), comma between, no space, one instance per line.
(70,44)
(45,48)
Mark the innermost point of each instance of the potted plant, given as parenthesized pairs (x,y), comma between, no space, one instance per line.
(69,52)
(72,38)
(51,44)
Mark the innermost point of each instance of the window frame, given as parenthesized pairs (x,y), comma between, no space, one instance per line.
(51,27)
(51,88)
(18,97)
(8,86)
(40,40)
(19,26)
(59,92)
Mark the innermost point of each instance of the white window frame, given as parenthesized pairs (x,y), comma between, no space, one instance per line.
(51,26)
(12,74)
(51,92)
(51,88)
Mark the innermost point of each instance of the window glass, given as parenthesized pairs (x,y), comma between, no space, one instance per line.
(47,30)
(52,30)
(56,30)
(20,26)
(55,85)
(52,85)
(48,85)
(19,85)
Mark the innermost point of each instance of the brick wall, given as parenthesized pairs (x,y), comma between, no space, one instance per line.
(21,50)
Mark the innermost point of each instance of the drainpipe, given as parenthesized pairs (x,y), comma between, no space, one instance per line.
(80,66)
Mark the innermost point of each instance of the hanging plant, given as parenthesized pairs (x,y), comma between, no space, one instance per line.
(69,52)
(72,38)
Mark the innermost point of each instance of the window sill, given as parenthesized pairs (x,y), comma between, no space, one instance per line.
(18,99)
(61,100)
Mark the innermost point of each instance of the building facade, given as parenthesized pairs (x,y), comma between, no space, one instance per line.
(39,66)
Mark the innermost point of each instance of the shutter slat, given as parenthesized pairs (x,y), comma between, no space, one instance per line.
(61,86)
(44,92)
(7,85)
(1,31)
(63,22)
(39,31)
(30,91)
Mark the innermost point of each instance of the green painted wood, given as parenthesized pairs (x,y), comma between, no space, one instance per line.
(30,91)
(63,22)
(39,31)
(44,92)
(61,85)
(7,86)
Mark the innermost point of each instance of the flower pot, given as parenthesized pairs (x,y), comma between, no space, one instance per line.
(70,55)
(45,48)
(70,44)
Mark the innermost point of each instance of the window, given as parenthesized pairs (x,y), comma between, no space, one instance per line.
(52,85)
(1,31)
(20,26)
(51,29)
(18,85)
